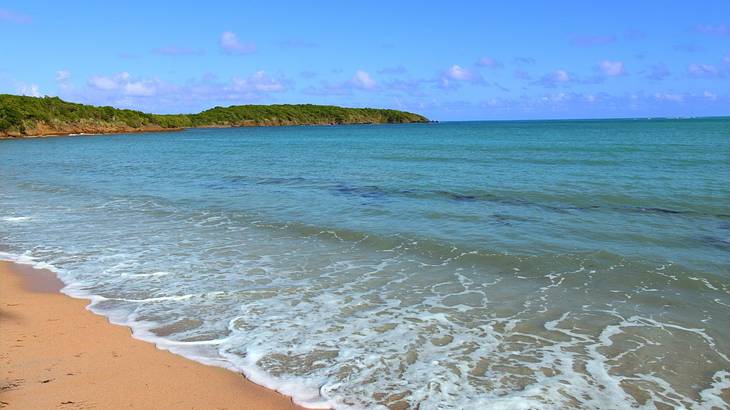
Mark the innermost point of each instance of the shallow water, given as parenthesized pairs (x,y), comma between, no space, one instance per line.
(560,264)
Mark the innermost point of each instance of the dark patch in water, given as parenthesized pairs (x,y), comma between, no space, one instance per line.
(368,191)
(244,180)
(375,192)
(237,179)
(228,182)
(716,242)
(661,210)
(456,196)
(559,209)
(507,218)
(279,181)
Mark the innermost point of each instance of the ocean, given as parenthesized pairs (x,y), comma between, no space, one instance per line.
(485,265)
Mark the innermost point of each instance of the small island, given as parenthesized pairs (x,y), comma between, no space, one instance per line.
(23,116)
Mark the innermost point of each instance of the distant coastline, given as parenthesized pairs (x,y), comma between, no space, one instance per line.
(29,117)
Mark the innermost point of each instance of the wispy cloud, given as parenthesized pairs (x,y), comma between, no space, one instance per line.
(363,81)
(521,74)
(716,30)
(612,68)
(592,40)
(177,51)
(457,72)
(453,76)
(688,47)
(489,62)
(709,95)
(31,90)
(63,75)
(555,78)
(671,97)
(260,81)
(107,83)
(396,70)
(704,71)
(328,89)
(145,93)
(230,44)
(13,17)
(658,72)
(140,89)
(124,84)
(412,87)
(524,60)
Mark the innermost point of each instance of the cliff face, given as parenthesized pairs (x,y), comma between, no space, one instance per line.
(41,129)
(22,116)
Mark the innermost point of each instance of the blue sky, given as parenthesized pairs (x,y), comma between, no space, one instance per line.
(455,60)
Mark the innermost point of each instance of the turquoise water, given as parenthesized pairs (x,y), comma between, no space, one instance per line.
(559,264)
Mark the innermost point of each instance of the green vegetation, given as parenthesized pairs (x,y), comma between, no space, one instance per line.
(21,115)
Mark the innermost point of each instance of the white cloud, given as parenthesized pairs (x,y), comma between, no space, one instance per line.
(103,83)
(612,68)
(710,95)
(561,76)
(258,82)
(658,72)
(456,72)
(362,80)
(140,89)
(557,98)
(703,70)
(126,90)
(719,30)
(29,90)
(553,79)
(489,62)
(120,82)
(63,75)
(232,45)
(669,97)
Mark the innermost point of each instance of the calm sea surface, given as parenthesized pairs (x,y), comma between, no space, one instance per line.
(560,264)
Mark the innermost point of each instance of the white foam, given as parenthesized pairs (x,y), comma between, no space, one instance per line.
(27,259)
(712,396)
(15,218)
(146,275)
(383,332)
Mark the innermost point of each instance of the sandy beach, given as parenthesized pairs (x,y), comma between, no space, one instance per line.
(56,354)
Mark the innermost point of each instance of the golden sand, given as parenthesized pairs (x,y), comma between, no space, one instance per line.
(55,354)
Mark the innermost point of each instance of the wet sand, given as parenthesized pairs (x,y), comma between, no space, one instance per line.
(55,354)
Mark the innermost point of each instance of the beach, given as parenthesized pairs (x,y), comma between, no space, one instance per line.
(516,264)
(56,354)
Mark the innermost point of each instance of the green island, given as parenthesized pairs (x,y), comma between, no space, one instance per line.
(23,116)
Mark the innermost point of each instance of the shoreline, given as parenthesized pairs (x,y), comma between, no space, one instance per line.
(88,134)
(160,130)
(58,354)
